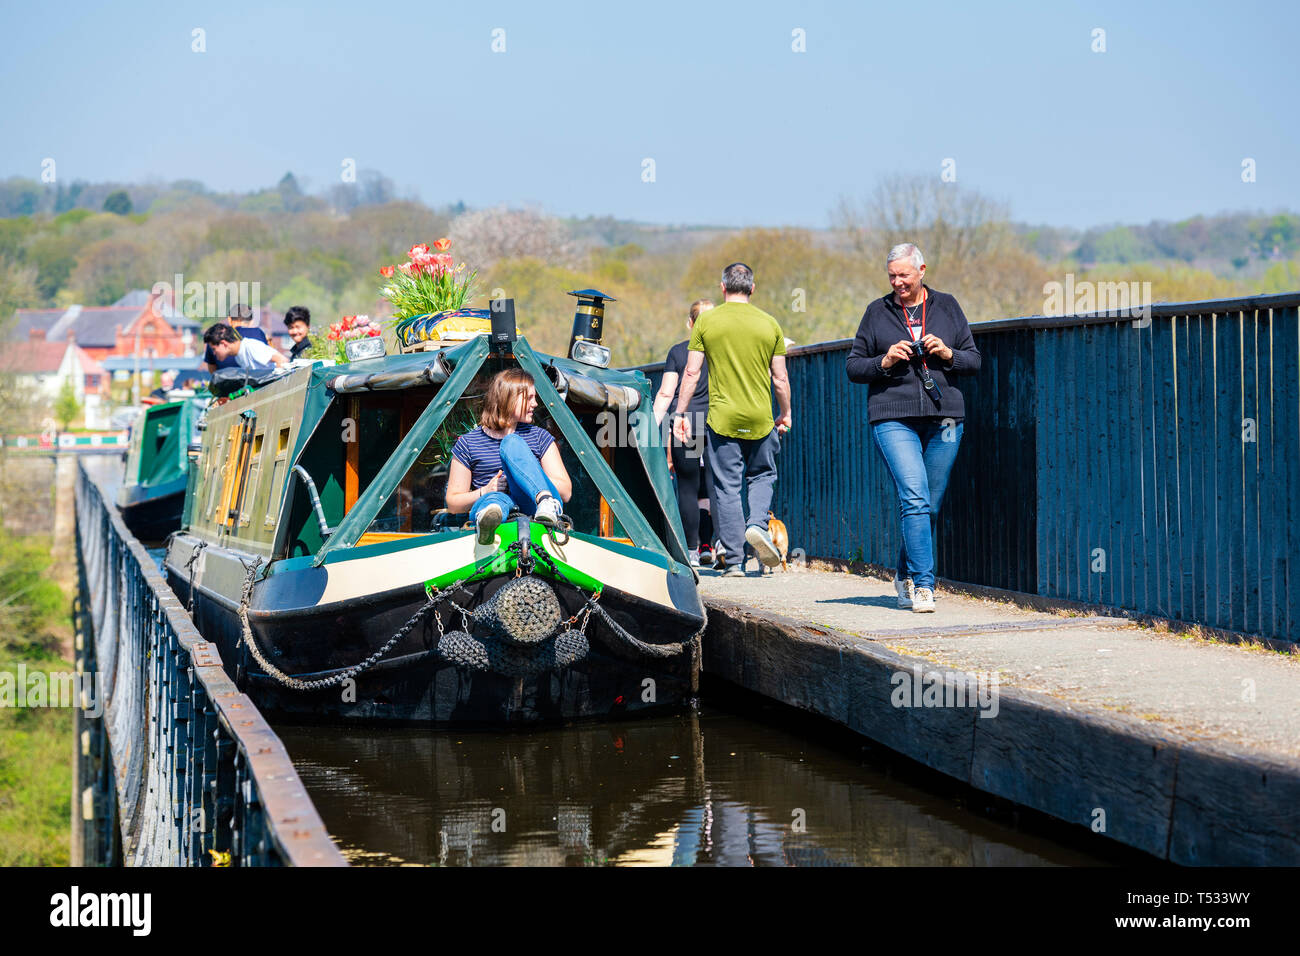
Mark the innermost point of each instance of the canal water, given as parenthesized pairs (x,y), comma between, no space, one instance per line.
(713,788)
(736,783)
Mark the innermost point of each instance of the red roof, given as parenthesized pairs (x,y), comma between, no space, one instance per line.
(32,357)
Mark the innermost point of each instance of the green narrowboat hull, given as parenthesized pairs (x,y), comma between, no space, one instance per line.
(317,624)
(359,611)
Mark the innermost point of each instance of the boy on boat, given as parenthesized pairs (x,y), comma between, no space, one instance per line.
(298,321)
(249,354)
(507,461)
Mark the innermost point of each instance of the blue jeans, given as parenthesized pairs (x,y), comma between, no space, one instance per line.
(737,461)
(524,478)
(919,453)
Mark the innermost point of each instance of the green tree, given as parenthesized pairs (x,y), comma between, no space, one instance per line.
(66,406)
(19,196)
(300,290)
(54,257)
(118,203)
(1120,244)
(108,269)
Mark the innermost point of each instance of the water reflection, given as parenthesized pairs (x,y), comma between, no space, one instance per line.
(706,790)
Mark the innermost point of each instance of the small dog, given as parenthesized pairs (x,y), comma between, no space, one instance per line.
(780,537)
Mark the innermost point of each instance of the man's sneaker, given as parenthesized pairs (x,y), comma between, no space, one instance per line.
(922,600)
(761,542)
(548,511)
(904,588)
(733,571)
(488,520)
(705,555)
(693,558)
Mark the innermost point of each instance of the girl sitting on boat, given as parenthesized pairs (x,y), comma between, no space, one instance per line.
(507,461)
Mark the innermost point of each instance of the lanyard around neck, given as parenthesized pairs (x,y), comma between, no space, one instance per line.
(907,321)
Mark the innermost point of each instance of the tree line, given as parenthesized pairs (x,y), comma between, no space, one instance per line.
(91,244)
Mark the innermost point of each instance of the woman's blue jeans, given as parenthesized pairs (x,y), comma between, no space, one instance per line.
(919,453)
(524,478)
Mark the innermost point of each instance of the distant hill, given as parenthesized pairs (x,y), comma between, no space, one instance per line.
(1230,244)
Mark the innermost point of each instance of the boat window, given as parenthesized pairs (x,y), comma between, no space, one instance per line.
(214,480)
(251,482)
(277,477)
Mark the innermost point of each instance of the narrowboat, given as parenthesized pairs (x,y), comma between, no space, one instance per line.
(318,556)
(151,497)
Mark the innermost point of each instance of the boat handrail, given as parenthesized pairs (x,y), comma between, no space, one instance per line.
(325,529)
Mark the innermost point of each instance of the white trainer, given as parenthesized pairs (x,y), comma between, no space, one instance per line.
(904,588)
(761,542)
(922,600)
(548,511)
(487,522)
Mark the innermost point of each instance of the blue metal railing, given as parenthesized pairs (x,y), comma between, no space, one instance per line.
(180,769)
(1149,463)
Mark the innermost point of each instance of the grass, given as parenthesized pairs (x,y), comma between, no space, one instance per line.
(35,784)
(35,744)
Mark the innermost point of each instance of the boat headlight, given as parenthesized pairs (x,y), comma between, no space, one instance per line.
(589,353)
(366,348)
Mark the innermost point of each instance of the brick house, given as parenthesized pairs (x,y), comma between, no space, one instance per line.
(111,330)
(43,367)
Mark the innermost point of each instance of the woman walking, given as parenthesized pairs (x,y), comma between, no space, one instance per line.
(909,347)
(689,462)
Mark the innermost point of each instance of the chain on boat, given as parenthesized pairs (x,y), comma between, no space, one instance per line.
(521,618)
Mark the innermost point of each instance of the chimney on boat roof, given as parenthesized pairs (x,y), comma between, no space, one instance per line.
(588,316)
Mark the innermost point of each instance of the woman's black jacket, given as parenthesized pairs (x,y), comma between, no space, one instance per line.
(897,392)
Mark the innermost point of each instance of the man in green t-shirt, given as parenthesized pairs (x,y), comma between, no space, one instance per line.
(745,349)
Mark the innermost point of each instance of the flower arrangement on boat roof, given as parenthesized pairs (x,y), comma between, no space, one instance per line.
(429,281)
(349,328)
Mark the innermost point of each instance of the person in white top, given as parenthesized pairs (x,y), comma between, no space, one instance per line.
(250,354)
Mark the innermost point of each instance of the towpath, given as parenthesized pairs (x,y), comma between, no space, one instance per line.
(1204,690)
(1191,746)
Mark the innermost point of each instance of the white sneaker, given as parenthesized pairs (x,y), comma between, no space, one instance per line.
(761,542)
(488,520)
(904,588)
(693,558)
(548,511)
(922,600)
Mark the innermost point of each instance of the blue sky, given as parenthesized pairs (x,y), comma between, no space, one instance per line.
(742,129)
